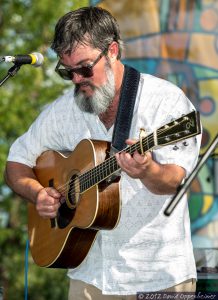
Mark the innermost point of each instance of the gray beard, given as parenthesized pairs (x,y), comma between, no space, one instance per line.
(102,97)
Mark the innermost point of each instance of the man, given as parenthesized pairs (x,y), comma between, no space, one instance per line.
(146,251)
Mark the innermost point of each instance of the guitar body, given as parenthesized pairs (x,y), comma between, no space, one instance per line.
(65,241)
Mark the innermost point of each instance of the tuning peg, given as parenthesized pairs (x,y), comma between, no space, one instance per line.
(167,138)
(175,147)
(185,143)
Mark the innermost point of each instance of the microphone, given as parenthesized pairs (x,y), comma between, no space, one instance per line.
(36,59)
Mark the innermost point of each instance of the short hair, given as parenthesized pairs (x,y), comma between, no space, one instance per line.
(91,25)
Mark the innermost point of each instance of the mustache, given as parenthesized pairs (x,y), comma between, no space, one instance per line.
(81,84)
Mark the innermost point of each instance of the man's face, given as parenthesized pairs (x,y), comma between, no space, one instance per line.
(84,55)
(94,93)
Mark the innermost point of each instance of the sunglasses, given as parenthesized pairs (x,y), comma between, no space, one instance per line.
(86,71)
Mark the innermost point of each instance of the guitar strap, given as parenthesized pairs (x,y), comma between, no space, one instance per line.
(125,109)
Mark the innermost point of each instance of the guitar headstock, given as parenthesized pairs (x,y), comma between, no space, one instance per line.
(179,129)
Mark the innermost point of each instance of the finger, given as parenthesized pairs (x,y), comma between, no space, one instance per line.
(48,209)
(46,198)
(141,158)
(50,215)
(50,202)
(127,161)
(130,141)
(123,159)
(53,192)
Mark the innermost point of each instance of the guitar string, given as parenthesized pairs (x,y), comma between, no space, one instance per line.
(90,172)
(110,162)
(100,170)
(96,171)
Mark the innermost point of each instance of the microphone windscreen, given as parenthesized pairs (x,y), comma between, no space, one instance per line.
(38,59)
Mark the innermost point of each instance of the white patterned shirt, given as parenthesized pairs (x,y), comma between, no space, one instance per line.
(147,251)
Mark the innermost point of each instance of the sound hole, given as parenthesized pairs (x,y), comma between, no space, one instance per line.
(67,209)
(73,192)
(65,215)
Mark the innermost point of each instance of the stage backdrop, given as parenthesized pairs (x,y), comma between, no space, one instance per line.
(178,40)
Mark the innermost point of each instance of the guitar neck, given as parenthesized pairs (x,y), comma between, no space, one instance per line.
(179,129)
(110,166)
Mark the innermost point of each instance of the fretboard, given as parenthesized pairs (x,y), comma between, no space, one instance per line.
(183,127)
(109,166)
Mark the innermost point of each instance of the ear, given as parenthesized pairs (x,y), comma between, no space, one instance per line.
(113,51)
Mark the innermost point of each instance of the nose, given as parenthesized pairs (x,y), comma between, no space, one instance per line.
(77,78)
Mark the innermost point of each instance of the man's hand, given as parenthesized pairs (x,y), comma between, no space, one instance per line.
(48,202)
(158,178)
(135,166)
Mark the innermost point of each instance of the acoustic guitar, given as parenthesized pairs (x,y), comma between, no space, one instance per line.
(88,180)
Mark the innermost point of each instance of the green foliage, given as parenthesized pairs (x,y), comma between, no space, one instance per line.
(42,283)
(26,26)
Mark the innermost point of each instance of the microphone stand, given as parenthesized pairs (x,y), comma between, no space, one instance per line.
(11,72)
(183,188)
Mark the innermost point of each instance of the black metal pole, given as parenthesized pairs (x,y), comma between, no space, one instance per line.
(183,188)
(11,72)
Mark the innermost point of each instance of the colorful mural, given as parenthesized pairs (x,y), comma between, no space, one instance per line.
(177,40)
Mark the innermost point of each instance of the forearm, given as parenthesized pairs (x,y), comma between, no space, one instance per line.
(21,179)
(163,179)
